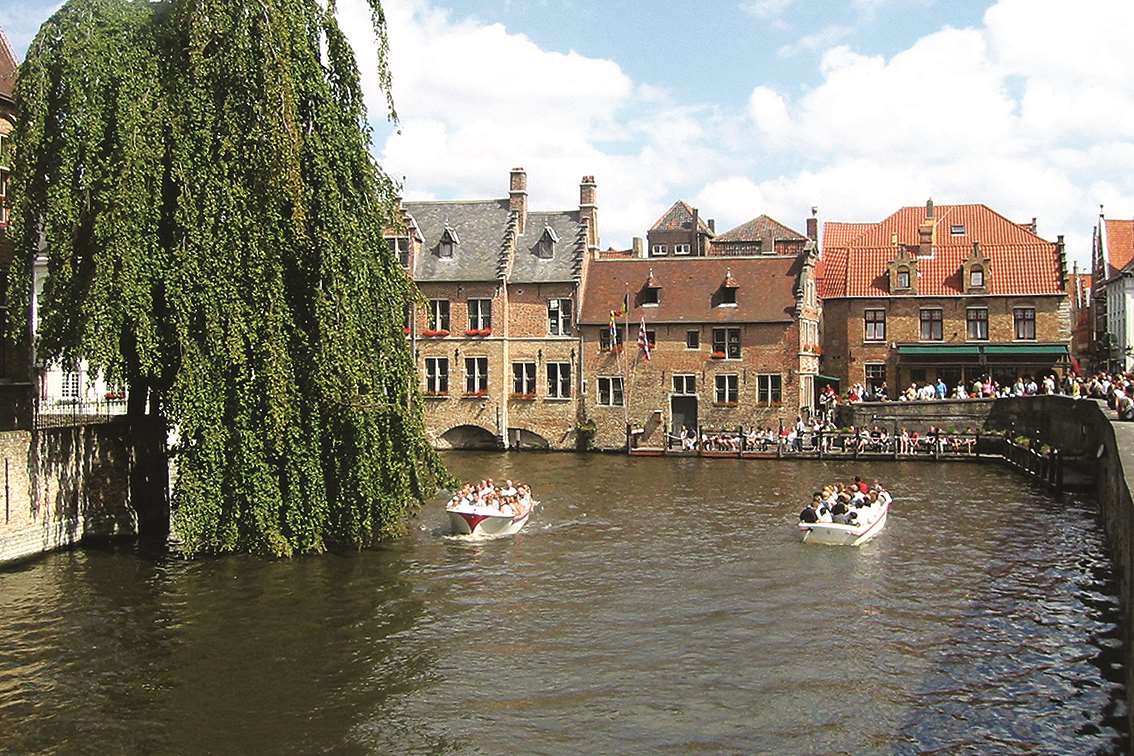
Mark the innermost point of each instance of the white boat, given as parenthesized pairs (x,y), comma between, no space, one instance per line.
(835,534)
(477,520)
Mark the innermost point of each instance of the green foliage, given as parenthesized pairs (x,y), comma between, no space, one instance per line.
(200,174)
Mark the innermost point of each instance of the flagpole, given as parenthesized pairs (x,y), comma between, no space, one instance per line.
(625,365)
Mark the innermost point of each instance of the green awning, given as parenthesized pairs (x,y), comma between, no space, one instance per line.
(1049,349)
(938,349)
(827,378)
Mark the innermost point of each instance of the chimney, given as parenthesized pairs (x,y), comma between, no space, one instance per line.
(713,225)
(925,232)
(639,247)
(518,198)
(813,225)
(588,209)
(696,235)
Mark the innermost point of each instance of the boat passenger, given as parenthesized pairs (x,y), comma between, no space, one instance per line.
(839,513)
(808,514)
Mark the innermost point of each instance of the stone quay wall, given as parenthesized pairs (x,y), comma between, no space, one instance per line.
(64,486)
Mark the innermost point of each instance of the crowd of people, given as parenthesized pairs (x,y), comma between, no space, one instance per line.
(1112,387)
(856,503)
(820,434)
(486,497)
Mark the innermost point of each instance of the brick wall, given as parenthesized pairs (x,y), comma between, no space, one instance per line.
(846,352)
(768,349)
(64,485)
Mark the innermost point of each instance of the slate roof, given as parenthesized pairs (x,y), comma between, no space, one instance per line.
(679,217)
(761,229)
(765,289)
(567,253)
(1119,245)
(855,256)
(486,229)
(8,68)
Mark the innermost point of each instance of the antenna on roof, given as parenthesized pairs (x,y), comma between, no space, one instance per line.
(814,211)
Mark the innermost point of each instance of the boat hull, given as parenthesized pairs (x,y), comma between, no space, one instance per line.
(833,534)
(489,526)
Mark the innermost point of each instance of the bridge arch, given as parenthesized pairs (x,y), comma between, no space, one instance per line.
(468,436)
(523,438)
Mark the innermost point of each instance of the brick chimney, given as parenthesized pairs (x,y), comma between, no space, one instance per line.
(639,247)
(696,248)
(713,225)
(588,209)
(813,225)
(926,232)
(518,198)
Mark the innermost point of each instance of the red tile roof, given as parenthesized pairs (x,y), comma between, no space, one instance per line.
(1119,245)
(765,289)
(855,255)
(762,229)
(679,217)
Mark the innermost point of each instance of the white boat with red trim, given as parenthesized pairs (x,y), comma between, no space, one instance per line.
(488,511)
(838,534)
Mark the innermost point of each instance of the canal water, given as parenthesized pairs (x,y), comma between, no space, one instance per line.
(649,605)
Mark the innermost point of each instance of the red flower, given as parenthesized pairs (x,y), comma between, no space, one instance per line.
(718,355)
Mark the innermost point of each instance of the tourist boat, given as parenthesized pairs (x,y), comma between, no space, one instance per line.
(835,534)
(478,520)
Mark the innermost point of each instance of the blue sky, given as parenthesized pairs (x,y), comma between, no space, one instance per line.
(750,106)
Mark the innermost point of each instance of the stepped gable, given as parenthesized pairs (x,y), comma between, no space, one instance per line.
(766,289)
(679,217)
(1119,245)
(480,226)
(568,247)
(763,229)
(855,255)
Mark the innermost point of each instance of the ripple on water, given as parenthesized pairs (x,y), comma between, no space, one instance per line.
(649,604)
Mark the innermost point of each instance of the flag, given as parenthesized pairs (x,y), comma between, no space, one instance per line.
(624,309)
(1076,368)
(643,339)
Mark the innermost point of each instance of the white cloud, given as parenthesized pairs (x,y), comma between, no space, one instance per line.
(824,38)
(766,8)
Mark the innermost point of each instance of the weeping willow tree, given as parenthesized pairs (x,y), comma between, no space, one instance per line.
(197,173)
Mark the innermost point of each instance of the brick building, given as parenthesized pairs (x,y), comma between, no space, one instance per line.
(952,292)
(1112,279)
(496,345)
(680,232)
(763,236)
(1082,325)
(733,339)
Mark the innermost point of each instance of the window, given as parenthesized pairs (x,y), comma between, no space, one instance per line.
(977,323)
(659,250)
(559,317)
(875,374)
(610,391)
(976,278)
(904,278)
(726,341)
(399,245)
(685,385)
(652,339)
(957,229)
(71,385)
(5,146)
(680,249)
(523,379)
(728,296)
(480,314)
(476,375)
(651,295)
(436,376)
(559,380)
(1025,318)
(875,321)
(726,389)
(769,389)
(545,247)
(931,325)
(449,241)
(692,339)
(439,314)
(604,338)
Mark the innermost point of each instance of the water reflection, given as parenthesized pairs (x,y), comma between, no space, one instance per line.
(648,604)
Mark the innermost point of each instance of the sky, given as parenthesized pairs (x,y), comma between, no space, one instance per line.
(743,107)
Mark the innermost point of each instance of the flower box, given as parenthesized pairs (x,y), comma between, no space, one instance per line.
(476,394)
(114,395)
(524,397)
(478,332)
(436,394)
(406,330)
(485,332)
(432,334)
(717,355)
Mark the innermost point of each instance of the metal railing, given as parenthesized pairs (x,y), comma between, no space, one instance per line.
(58,413)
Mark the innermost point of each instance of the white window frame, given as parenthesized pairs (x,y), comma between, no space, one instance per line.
(659,250)
(940,322)
(866,324)
(656,293)
(973,273)
(957,229)
(434,319)
(730,387)
(483,313)
(436,379)
(764,384)
(608,393)
(908,276)
(969,336)
(688,383)
(728,342)
(1016,320)
(866,372)
(71,386)
(527,379)
(732,290)
(696,333)
(559,316)
(479,377)
(681,249)
(559,386)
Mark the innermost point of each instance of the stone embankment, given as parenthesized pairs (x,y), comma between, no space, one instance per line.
(67,485)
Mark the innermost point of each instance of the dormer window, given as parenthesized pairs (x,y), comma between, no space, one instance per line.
(728,297)
(904,278)
(651,296)
(976,278)
(957,229)
(449,242)
(975,271)
(545,247)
